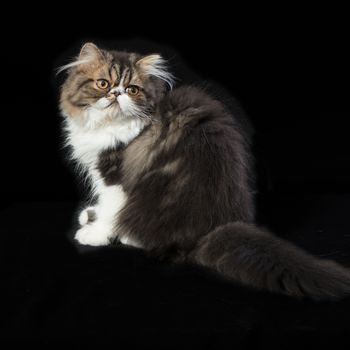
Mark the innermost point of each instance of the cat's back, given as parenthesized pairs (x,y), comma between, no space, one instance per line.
(189,169)
(195,138)
(190,124)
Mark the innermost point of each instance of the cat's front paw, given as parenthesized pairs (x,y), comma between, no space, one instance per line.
(93,234)
(88,215)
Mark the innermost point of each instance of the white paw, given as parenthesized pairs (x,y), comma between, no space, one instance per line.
(93,234)
(87,215)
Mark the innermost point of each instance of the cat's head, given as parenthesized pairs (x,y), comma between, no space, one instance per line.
(104,85)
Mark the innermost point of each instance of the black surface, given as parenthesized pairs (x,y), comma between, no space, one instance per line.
(289,67)
(60,292)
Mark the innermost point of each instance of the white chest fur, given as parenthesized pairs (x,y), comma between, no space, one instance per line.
(87,142)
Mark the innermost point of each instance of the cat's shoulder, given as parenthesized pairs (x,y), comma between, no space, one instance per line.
(186,101)
(188,96)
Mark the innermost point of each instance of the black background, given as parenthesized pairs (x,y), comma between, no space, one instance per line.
(288,67)
(289,70)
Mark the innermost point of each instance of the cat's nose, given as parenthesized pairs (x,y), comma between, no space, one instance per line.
(116,93)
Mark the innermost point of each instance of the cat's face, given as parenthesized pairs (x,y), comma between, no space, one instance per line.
(105,85)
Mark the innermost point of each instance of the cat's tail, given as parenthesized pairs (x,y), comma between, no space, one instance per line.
(252,256)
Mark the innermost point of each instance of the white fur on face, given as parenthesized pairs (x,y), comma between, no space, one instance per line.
(100,112)
(102,104)
(129,108)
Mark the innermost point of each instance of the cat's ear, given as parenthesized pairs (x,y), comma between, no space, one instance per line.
(155,65)
(89,53)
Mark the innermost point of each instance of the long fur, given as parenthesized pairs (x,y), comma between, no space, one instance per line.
(253,256)
(74,63)
(156,66)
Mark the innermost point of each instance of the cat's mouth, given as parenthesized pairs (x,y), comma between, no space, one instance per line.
(113,102)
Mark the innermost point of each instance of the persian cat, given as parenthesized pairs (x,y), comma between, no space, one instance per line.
(171,173)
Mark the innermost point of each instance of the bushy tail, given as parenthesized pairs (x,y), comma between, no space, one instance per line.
(251,255)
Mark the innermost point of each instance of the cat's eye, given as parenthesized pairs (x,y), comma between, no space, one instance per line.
(133,90)
(102,84)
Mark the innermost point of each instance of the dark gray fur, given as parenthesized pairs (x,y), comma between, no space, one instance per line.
(189,182)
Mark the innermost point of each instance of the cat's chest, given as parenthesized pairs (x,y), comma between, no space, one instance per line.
(87,145)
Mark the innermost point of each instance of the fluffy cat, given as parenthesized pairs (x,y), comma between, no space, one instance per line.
(171,171)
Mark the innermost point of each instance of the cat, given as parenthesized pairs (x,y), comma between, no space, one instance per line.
(172,172)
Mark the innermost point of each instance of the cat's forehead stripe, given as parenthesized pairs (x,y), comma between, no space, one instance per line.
(125,76)
(116,69)
(122,79)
